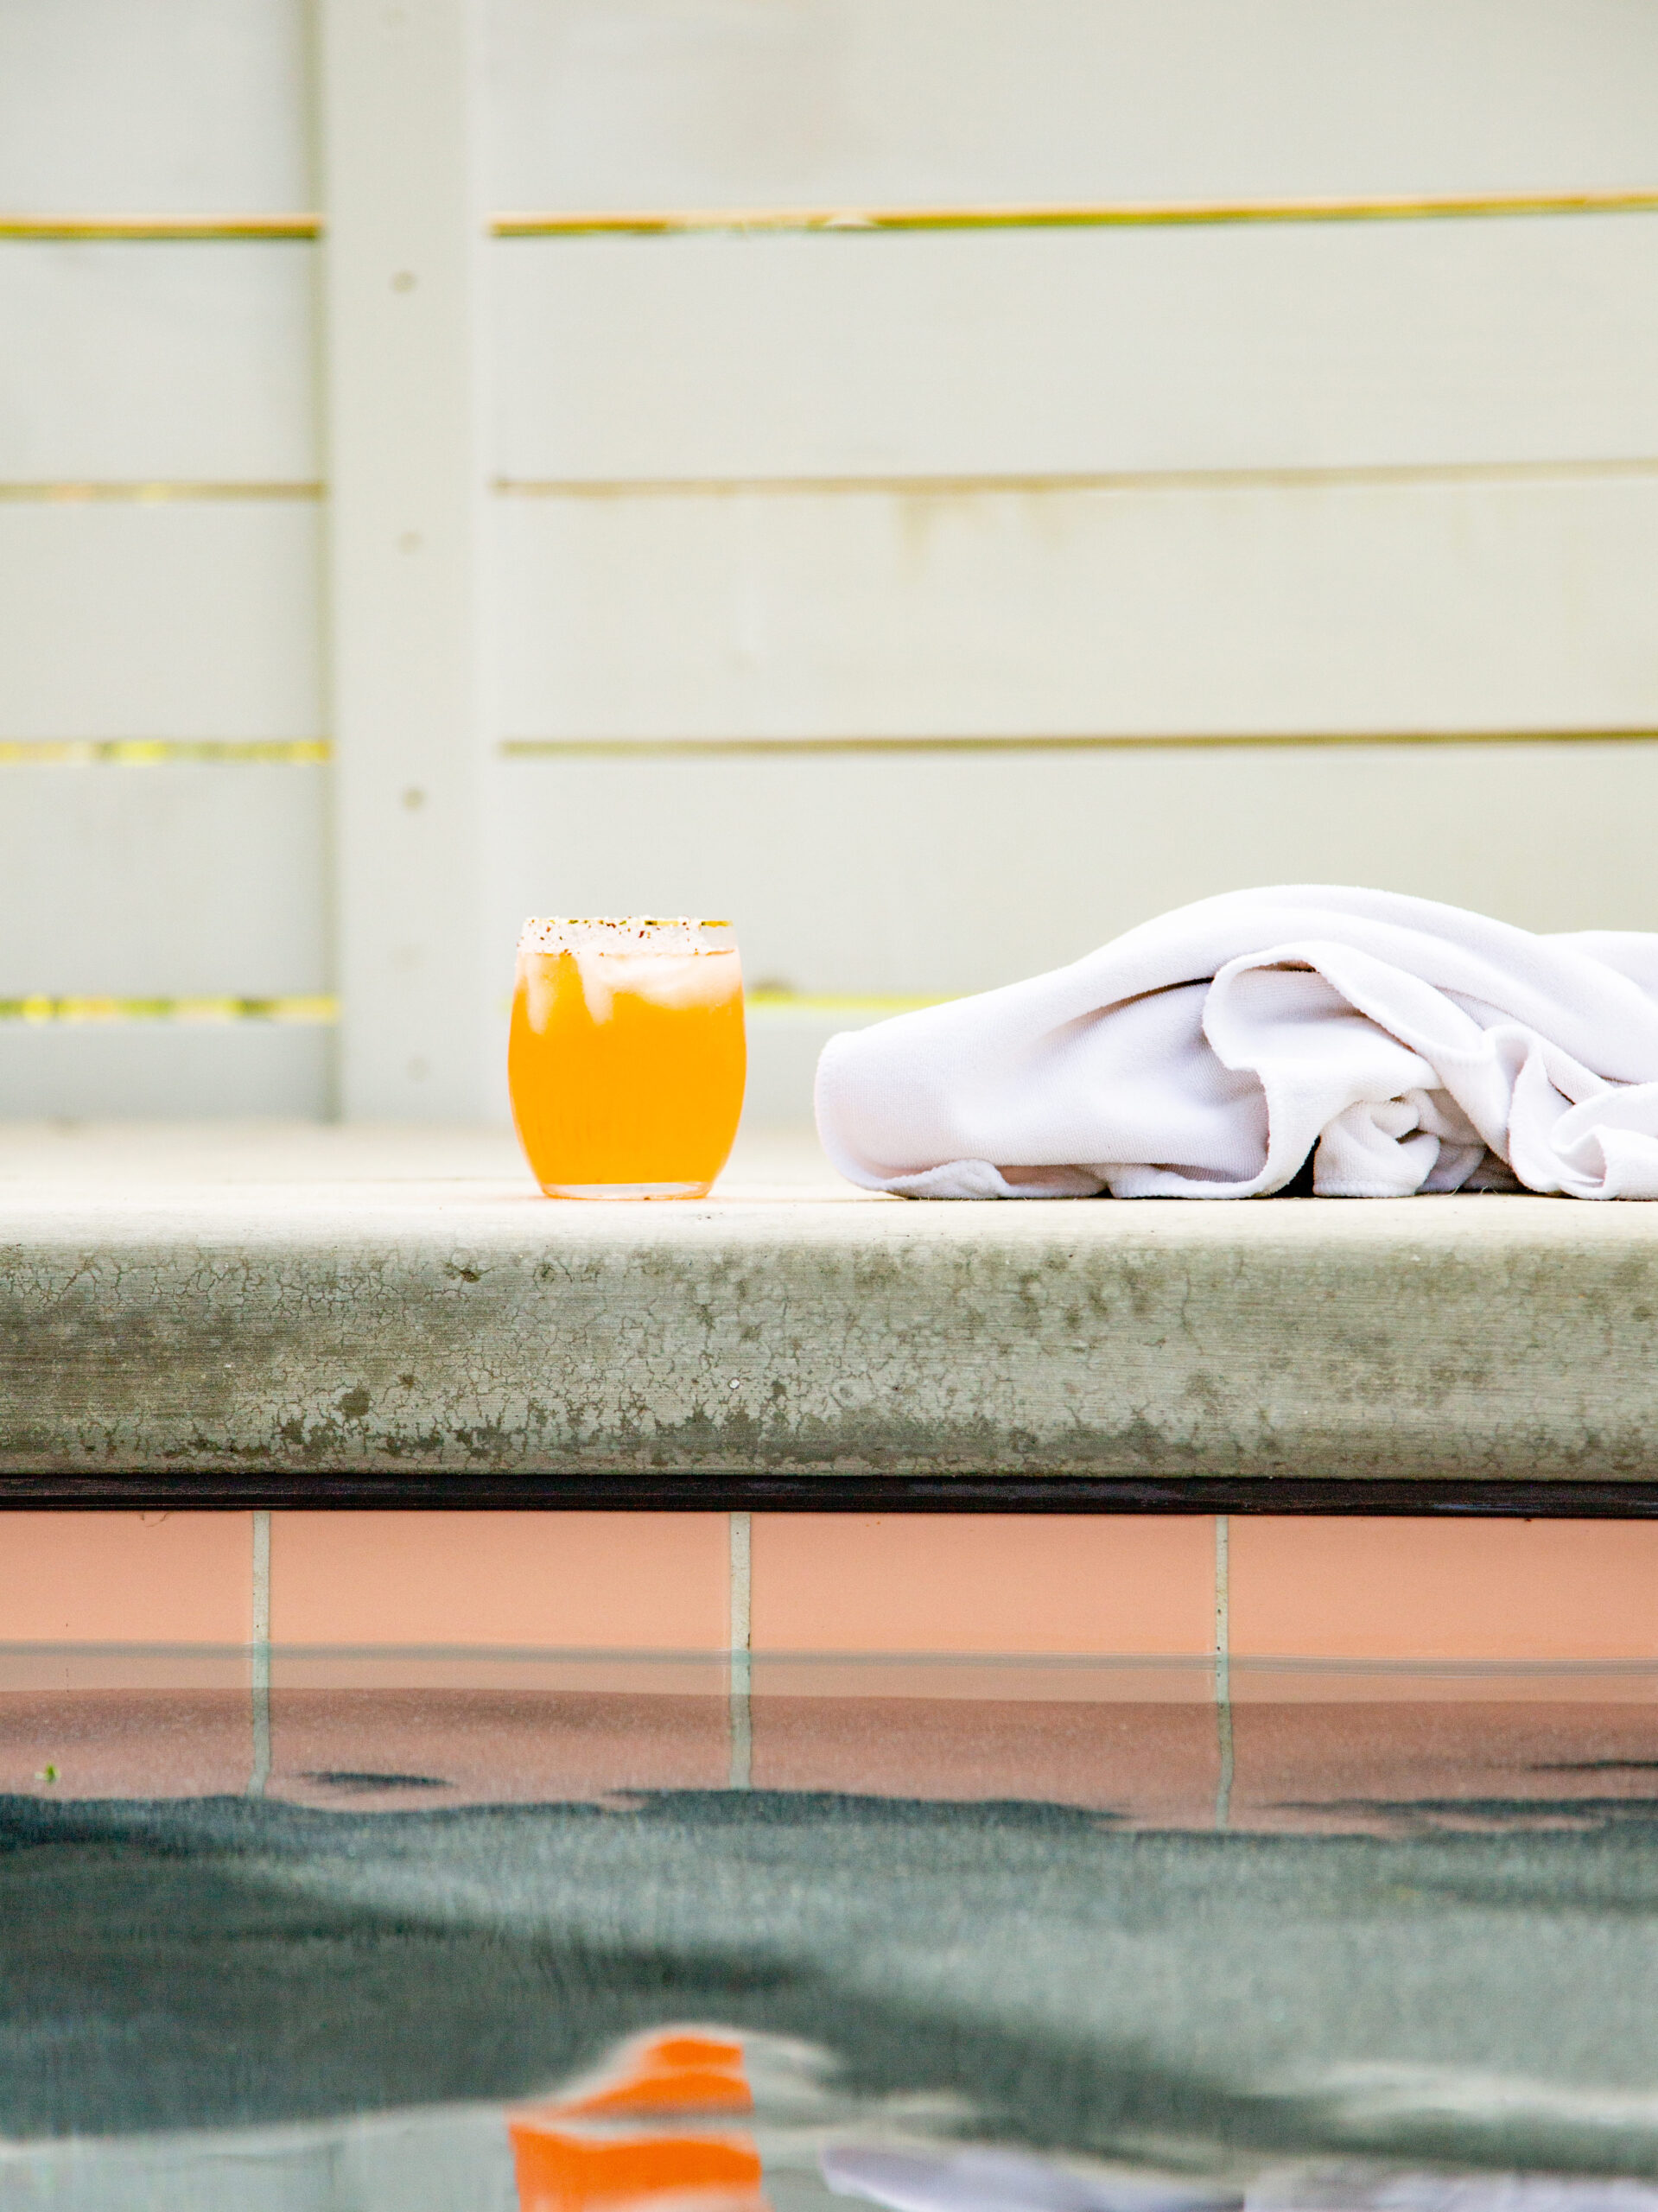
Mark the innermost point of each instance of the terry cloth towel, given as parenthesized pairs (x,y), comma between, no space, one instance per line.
(1407,1046)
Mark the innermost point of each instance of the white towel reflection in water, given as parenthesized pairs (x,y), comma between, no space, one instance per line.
(978,2180)
(915,2179)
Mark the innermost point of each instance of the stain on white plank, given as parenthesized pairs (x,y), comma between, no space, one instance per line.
(1480,606)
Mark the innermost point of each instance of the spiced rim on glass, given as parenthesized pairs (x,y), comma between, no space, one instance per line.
(627,1059)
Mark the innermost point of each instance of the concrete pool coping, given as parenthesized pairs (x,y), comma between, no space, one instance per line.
(233,1325)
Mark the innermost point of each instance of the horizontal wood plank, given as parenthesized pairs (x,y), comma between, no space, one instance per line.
(153,1070)
(628,103)
(1362,608)
(186,620)
(175,881)
(180,361)
(1007,353)
(164,107)
(936,874)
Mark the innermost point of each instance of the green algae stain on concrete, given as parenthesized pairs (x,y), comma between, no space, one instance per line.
(1429,1337)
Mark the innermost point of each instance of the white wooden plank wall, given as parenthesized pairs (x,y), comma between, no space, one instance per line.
(886,496)
(886,493)
(158,361)
(887,874)
(1210,610)
(228,898)
(166,1071)
(1561,835)
(167,107)
(1312,346)
(169,618)
(161,543)
(627,104)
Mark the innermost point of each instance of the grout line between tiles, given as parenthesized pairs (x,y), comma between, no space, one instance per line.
(261,1655)
(1223,1667)
(740,1587)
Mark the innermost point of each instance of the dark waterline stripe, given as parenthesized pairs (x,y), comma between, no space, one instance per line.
(452,1491)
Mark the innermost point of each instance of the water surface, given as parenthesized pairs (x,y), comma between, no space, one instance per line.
(942,1936)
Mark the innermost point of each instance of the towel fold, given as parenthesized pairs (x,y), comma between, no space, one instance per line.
(1405,1045)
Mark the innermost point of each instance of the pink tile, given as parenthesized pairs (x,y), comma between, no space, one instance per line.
(1079,1583)
(1430,1589)
(126,1578)
(582,1581)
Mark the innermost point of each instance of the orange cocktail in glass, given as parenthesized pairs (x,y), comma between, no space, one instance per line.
(627,1059)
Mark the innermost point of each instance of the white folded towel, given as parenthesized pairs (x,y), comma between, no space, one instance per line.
(1407,1046)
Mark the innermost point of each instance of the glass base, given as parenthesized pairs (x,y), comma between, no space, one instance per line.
(627,1190)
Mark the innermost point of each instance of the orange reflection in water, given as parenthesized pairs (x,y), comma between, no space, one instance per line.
(677,2073)
(568,2168)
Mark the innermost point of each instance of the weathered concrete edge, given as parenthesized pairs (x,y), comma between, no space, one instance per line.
(1462,1341)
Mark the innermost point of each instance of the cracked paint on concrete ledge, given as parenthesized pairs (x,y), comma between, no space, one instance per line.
(1511,1338)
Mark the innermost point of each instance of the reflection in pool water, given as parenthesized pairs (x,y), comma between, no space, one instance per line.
(563,2162)
(1005,1941)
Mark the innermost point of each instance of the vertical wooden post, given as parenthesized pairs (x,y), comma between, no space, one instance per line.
(402,383)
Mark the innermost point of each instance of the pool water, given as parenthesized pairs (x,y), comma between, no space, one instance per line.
(562,1936)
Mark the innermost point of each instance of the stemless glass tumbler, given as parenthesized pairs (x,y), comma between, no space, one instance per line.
(627,1058)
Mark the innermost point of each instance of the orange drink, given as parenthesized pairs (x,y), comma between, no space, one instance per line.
(627,1059)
